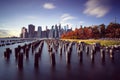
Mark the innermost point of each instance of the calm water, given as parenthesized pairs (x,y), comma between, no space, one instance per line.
(84,70)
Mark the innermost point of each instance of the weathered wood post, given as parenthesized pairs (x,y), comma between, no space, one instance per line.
(7,53)
(87,50)
(68,56)
(92,55)
(36,60)
(20,60)
(102,51)
(16,53)
(80,54)
(52,55)
(60,50)
(27,52)
(112,53)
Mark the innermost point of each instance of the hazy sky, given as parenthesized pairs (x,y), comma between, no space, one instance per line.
(14,14)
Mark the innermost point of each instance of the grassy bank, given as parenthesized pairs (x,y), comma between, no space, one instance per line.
(102,42)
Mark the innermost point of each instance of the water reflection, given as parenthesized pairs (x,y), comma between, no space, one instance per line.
(20,74)
(92,56)
(103,56)
(47,64)
(60,58)
(80,55)
(103,60)
(53,69)
(20,61)
(112,60)
(7,62)
(36,60)
(52,58)
(36,70)
(68,58)
(68,67)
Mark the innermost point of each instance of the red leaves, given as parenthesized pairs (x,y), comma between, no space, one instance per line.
(111,31)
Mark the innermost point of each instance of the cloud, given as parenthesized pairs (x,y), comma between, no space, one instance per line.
(4,33)
(65,19)
(65,15)
(49,6)
(8,33)
(98,8)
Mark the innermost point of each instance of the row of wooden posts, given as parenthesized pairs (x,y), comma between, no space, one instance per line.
(53,45)
(6,42)
(81,49)
(22,51)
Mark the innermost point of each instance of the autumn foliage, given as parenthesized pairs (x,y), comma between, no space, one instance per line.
(101,31)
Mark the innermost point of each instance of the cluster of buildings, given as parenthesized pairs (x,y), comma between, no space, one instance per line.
(55,32)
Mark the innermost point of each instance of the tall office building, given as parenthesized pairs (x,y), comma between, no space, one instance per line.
(24,33)
(31,31)
(44,34)
(47,32)
(39,32)
(56,31)
(59,26)
(51,33)
(59,31)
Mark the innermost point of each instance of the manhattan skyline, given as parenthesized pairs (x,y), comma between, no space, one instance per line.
(19,13)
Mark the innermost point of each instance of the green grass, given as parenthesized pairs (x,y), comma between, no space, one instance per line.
(102,42)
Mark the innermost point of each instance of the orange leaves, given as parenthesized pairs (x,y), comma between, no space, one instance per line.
(111,31)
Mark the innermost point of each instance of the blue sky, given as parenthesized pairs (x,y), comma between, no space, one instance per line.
(14,14)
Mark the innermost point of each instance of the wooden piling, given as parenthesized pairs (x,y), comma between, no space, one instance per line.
(60,50)
(111,53)
(87,50)
(80,54)
(68,57)
(36,60)
(20,60)
(53,62)
(7,53)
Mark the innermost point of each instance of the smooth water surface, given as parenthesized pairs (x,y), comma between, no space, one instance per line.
(76,70)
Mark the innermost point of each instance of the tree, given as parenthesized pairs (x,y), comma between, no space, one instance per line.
(110,31)
(102,31)
(117,32)
(96,33)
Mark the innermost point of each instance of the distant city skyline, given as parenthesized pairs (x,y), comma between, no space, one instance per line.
(54,32)
(16,14)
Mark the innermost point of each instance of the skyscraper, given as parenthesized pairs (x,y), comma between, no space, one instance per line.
(59,26)
(47,32)
(56,31)
(24,33)
(31,29)
(39,32)
(51,33)
(59,32)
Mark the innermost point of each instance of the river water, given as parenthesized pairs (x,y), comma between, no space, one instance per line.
(76,70)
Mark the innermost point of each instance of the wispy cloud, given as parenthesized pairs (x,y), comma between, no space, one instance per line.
(8,33)
(49,6)
(65,18)
(4,33)
(96,8)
